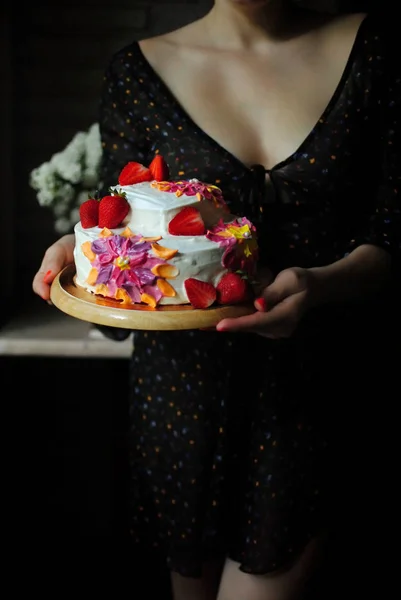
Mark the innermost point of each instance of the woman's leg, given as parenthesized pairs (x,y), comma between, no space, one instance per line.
(205,588)
(280,585)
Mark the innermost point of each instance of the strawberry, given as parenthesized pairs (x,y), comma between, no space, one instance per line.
(187,222)
(159,169)
(232,289)
(200,293)
(89,213)
(134,172)
(112,210)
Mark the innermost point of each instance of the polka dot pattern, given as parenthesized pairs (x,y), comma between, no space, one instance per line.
(232,438)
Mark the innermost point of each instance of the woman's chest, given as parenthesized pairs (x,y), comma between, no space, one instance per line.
(259,111)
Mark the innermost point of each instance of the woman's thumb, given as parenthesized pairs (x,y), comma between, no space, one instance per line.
(277,291)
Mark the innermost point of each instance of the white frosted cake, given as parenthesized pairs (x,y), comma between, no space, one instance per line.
(159,242)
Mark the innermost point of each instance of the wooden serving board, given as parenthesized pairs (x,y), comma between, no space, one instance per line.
(77,302)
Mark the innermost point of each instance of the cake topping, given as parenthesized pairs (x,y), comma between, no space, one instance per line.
(127,232)
(192,187)
(239,239)
(123,262)
(163,252)
(232,289)
(187,222)
(105,232)
(201,294)
(153,238)
(165,270)
(123,267)
(165,288)
(112,210)
(159,169)
(149,300)
(134,172)
(89,213)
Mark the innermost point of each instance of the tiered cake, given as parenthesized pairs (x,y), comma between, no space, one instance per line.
(153,241)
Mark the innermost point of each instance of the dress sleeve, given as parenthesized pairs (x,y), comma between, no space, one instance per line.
(123,135)
(383,227)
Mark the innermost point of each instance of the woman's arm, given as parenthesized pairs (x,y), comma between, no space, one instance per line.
(364,272)
(374,257)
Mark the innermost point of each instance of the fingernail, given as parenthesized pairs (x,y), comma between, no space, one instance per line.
(260,304)
(46,276)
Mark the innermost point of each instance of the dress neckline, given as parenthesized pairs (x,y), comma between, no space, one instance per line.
(306,141)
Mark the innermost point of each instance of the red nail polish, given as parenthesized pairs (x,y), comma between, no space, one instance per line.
(46,276)
(261,304)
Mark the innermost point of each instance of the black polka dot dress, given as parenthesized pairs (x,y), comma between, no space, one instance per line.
(241,446)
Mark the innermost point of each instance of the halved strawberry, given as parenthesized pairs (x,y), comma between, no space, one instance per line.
(200,293)
(232,289)
(134,172)
(112,210)
(89,213)
(187,222)
(159,169)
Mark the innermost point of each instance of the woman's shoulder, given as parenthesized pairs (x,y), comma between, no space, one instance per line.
(379,43)
(367,27)
(378,31)
(188,34)
(367,37)
(138,56)
(169,46)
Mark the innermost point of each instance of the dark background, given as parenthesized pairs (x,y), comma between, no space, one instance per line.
(65,464)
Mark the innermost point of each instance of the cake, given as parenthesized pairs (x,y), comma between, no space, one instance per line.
(156,242)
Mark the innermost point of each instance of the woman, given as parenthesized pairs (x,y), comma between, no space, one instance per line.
(241,437)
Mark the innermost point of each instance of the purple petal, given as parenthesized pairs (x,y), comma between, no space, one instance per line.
(119,276)
(133,292)
(105,259)
(138,247)
(117,244)
(100,246)
(152,262)
(137,259)
(132,279)
(145,276)
(104,274)
(154,291)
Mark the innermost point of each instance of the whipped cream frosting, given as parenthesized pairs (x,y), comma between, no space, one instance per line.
(152,209)
(108,267)
(196,257)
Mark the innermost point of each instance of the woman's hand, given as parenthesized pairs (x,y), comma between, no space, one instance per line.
(364,272)
(279,308)
(57,256)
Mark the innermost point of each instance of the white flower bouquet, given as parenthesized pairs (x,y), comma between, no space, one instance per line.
(69,178)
